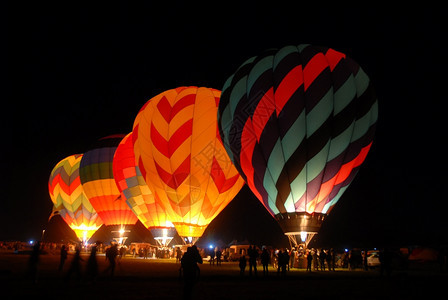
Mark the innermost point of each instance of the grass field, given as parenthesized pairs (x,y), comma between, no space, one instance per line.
(136,278)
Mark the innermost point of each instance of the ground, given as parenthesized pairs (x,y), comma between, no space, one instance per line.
(136,278)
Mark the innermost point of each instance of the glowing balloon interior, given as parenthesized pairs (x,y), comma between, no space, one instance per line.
(297,123)
(99,184)
(179,152)
(137,194)
(69,200)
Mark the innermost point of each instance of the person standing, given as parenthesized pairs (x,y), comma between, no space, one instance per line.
(279,261)
(33,262)
(218,257)
(265,258)
(64,254)
(190,270)
(253,255)
(92,264)
(111,256)
(329,259)
(315,254)
(322,258)
(364,260)
(75,266)
(285,261)
(242,264)
(178,254)
(309,260)
(333,259)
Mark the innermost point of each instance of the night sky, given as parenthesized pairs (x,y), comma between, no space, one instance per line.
(78,73)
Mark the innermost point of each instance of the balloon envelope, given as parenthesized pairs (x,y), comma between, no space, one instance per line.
(179,151)
(99,184)
(137,194)
(297,123)
(69,200)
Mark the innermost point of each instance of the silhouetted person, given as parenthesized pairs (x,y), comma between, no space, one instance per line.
(212,257)
(333,259)
(75,265)
(122,252)
(284,262)
(253,255)
(190,270)
(111,256)
(178,254)
(322,258)
(92,265)
(64,254)
(242,264)
(329,259)
(309,261)
(315,259)
(364,260)
(279,261)
(385,258)
(218,257)
(33,262)
(265,258)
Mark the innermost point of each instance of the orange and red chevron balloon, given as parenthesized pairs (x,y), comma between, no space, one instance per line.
(137,194)
(179,152)
(97,179)
(69,200)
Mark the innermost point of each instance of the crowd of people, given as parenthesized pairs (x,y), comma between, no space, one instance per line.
(282,260)
(251,257)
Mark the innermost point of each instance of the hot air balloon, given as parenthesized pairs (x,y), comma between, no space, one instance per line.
(297,123)
(179,151)
(69,200)
(99,184)
(137,194)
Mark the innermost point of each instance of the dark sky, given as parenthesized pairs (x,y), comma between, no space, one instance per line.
(77,73)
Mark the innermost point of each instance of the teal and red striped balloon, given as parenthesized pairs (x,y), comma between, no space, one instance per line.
(297,123)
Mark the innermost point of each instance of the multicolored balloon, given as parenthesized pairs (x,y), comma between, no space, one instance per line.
(179,152)
(99,184)
(137,194)
(297,123)
(69,200)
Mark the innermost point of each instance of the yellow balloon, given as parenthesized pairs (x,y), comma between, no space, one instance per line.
(183,160)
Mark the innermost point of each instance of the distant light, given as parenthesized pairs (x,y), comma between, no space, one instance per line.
(346,250)
(211,246)
(303,236)
(31,242)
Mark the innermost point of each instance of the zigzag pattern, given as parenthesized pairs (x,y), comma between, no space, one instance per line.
(178,148)
(297,123)
(134,189)
(68,196)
